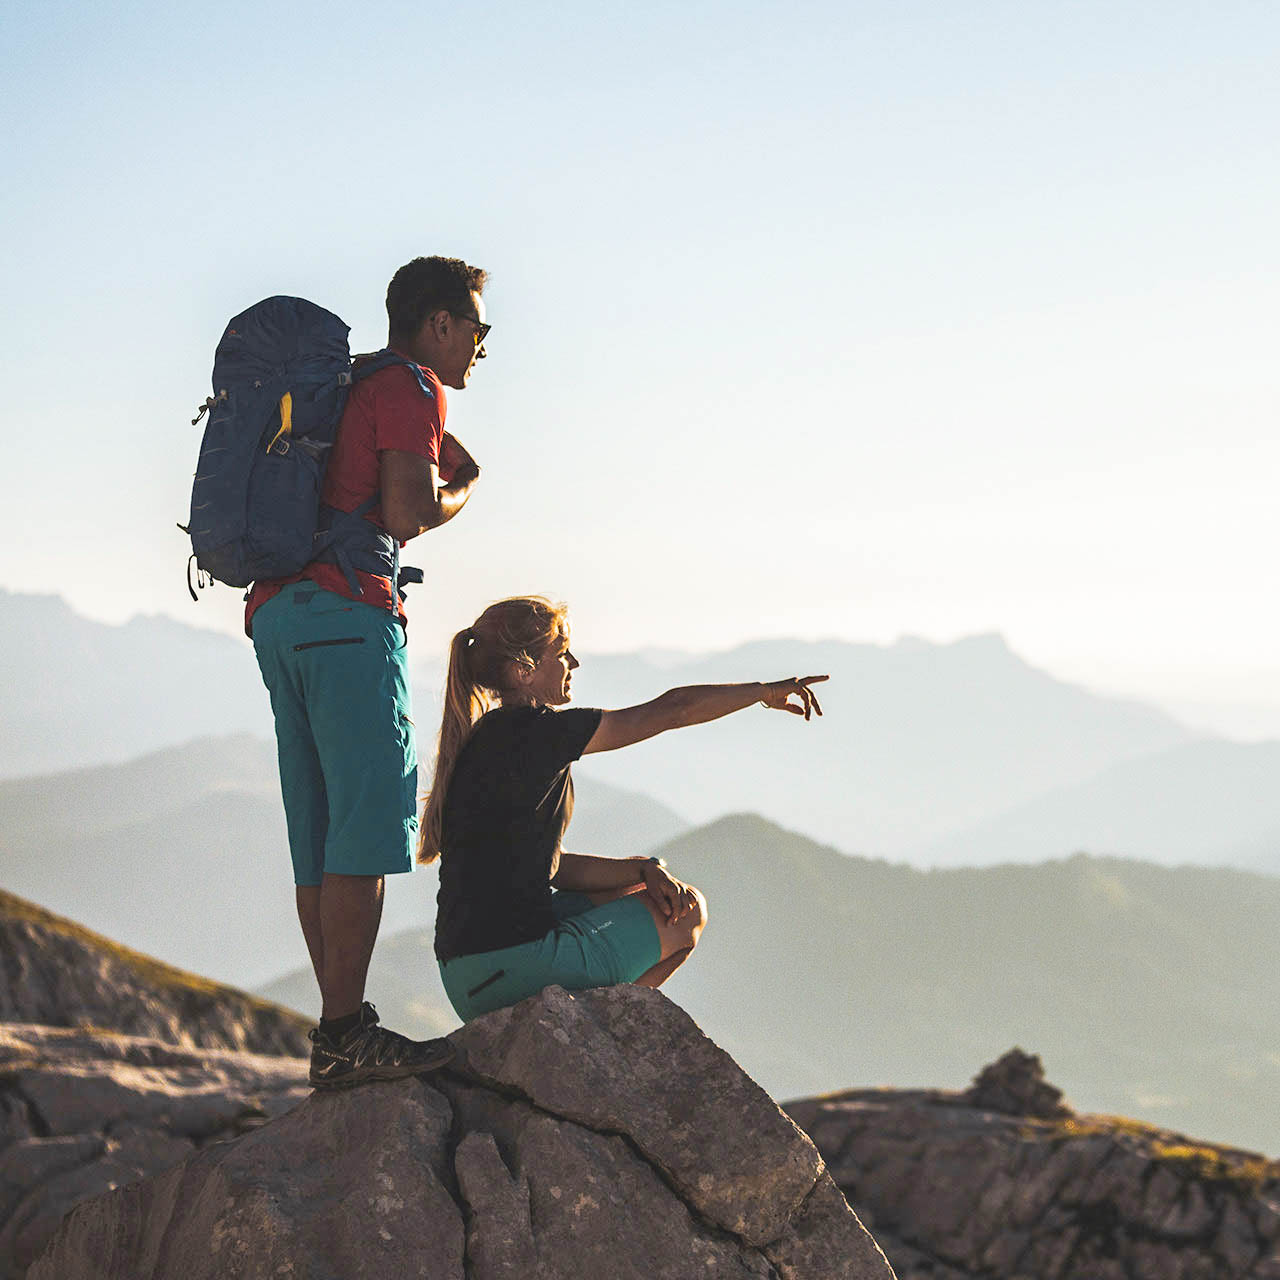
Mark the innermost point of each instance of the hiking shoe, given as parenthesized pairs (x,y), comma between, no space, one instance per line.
(371,1052)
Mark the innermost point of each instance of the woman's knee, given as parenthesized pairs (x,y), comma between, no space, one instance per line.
(697,918)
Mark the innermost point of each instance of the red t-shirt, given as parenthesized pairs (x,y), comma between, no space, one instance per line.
(386,410)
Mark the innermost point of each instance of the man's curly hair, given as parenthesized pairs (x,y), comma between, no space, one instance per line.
(426,285)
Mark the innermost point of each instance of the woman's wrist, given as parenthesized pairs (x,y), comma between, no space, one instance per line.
(649,865)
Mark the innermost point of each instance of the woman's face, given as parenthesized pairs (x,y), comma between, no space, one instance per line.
(548,683)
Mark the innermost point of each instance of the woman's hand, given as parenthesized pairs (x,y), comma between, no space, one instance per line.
(778,695)
(671,897)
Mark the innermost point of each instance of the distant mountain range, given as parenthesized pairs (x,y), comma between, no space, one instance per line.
(1202,802)
(929,753)
(919,740)
(184,853)
(1149,991)
(76,692)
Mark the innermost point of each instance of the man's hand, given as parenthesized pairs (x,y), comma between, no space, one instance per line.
(456,464)
(778,695)
(669,895)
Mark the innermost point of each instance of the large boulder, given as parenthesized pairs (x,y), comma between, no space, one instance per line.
(593,1135)
(1004,1181)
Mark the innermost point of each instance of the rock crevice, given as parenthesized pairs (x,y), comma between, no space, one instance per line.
(454,1077)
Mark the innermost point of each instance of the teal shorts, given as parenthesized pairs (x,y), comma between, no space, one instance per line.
(590,946)
(337,673)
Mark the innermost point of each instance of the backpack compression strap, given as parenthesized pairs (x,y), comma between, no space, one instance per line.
(346,538)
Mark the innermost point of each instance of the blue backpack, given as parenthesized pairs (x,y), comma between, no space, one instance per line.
(281,376)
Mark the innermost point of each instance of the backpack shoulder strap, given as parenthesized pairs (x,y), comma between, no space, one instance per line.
(366,366)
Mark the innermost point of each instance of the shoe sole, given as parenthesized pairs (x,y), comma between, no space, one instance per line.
(374,1075)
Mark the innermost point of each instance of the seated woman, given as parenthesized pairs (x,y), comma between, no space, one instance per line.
(516,913)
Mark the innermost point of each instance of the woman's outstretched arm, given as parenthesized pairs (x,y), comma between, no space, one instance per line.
(697,704)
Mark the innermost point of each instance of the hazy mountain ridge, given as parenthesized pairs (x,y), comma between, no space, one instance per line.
(185,852)
(1150,988)
(56,973)
(922,741)
(78,692)
(1168,806)
(918,739)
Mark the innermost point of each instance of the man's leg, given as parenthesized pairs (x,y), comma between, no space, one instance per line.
(302,787)
(350,912)
(351,664)
(308,896)
(340,918)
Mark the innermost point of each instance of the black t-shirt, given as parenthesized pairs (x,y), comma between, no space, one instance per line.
(508,803)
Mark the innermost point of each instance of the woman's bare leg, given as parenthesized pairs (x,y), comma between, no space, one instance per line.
(661,971)
(677,939)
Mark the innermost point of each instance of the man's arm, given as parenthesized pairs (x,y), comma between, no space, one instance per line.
(414,498)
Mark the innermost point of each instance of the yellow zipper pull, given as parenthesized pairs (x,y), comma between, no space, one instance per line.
(286,418)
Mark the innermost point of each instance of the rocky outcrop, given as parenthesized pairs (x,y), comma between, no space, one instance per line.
(1015,1085)
(60,974)
(83,1112)
(1005,1182)
(595,1135)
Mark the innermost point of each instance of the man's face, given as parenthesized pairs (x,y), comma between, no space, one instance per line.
(462,347)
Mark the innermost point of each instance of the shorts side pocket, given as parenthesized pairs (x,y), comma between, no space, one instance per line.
(324,644)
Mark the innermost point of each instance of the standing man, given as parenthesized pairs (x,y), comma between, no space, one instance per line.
(330,643)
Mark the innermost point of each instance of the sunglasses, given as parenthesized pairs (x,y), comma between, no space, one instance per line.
(482,330)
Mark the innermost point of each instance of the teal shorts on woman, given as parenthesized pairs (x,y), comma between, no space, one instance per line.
(590,946)
(337,673)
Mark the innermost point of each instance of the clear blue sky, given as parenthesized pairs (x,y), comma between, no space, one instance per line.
(809,319)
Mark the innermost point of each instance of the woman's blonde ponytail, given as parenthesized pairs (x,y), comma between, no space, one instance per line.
(464,704)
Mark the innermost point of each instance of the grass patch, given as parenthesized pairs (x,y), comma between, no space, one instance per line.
(1199,1160)
(1214,1164)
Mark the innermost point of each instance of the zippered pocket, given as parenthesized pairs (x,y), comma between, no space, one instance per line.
(488,982)
(321,644)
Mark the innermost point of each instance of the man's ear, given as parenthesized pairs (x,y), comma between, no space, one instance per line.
(438,322)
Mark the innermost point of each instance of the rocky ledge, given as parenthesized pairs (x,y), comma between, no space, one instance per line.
(82,1112)
(1005,1182)
(586,1136)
